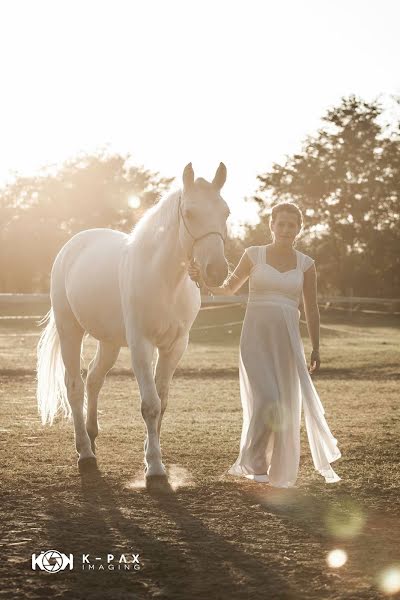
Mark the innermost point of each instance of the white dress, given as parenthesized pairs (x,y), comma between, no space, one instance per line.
(274,380)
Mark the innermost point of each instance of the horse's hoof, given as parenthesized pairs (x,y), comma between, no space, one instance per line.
(157,483)
(87,465)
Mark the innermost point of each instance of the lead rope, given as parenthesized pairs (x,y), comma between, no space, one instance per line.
(196,281)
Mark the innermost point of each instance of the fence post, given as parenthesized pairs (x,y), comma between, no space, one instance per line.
(350,294)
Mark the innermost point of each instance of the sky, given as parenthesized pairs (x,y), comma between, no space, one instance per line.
(178,81)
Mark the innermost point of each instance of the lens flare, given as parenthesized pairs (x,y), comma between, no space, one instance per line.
(134,202)
(389,580)
(345,521)
(336,558)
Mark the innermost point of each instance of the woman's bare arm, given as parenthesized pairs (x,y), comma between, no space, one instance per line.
(312,313)
(311,305)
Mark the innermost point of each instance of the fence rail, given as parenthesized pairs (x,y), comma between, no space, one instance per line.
(393,303)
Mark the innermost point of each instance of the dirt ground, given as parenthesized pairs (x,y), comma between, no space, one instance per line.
(213,536)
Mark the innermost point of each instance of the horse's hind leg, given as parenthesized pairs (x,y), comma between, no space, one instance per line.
(104,360)
(71,334)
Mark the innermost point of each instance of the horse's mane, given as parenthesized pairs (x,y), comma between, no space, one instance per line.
(156,219)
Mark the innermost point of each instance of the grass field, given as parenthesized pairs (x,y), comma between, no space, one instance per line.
(215,536)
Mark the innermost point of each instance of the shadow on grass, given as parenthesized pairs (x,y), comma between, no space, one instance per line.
(181,556)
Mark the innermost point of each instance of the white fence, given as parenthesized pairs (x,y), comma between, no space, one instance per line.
(351,302)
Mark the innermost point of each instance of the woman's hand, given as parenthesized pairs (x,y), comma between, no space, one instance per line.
(315,362)
(194,272)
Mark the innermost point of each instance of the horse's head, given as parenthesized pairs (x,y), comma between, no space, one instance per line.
(202,226)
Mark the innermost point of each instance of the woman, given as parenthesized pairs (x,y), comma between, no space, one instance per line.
(274,379)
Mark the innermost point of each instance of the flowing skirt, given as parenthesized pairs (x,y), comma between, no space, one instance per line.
(274,385)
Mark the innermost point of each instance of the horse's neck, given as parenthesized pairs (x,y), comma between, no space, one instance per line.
(170,258)
(167,255)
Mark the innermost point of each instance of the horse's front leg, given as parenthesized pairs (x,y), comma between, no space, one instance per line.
(165,368)
(141,356)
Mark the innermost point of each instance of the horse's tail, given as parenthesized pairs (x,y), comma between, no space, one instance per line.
(51,390)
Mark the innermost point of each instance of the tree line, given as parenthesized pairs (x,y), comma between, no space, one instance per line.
(346,180)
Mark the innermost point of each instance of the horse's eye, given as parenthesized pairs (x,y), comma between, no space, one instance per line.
(188,213)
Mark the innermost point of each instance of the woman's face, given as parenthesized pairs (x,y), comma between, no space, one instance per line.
(285,227)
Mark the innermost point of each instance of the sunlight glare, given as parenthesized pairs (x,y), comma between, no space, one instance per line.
(263,109)
(336,558)
(346,520)
(389,580)
(134,202)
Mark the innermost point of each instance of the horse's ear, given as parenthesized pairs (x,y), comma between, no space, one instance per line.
(220,177)
(188,176)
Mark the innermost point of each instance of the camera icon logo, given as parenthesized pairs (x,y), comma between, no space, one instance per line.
(52,561)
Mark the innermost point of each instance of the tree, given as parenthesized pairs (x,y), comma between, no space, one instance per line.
(346,180)
(38,214)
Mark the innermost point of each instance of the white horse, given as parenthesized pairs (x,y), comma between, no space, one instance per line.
(130,290)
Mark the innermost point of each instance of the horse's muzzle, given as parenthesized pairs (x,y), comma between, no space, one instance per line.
(214,274)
